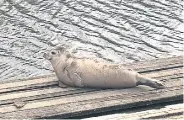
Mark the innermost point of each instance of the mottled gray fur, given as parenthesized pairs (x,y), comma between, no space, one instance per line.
(72,71)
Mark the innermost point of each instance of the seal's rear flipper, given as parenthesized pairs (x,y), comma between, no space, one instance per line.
(142,80)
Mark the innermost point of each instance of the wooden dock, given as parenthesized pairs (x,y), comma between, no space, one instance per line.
(42,98)
(168,112)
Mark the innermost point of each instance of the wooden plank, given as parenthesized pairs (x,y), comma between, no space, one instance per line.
(72,99)
(175,117)
(90,103)
(44,81)
(101,93)
(168,72)
(157,64)
(51,94)
(81,97)
(30,93)
(54,91)
(45,93)
(165,112)
(29,83)
(40,94)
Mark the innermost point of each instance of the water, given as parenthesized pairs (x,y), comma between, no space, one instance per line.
(119,31)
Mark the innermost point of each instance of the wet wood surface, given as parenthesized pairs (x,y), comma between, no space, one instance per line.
(42,98)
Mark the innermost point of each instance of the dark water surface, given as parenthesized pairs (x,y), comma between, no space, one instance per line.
(120,31)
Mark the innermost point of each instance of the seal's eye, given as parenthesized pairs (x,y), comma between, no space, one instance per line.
(53,53)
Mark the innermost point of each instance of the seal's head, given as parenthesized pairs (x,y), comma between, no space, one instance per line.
(58,53)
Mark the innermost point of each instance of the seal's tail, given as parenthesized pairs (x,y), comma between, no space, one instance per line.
(142,80)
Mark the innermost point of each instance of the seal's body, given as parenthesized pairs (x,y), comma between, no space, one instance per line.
(89,73)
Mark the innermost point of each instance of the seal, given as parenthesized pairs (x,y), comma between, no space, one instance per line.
(80,72)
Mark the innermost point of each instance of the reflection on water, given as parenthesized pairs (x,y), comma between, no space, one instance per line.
(114,30)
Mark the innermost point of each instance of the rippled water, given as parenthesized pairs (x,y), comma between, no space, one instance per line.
(119,31)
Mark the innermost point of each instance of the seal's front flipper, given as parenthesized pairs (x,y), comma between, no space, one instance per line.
(77,80)
(62,85)
(142,80)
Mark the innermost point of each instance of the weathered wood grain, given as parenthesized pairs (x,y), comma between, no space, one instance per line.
(90,103)
(167,112)
(155,65)
(30,83)
(175,117)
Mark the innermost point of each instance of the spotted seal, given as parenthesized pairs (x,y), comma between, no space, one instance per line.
(77,72)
